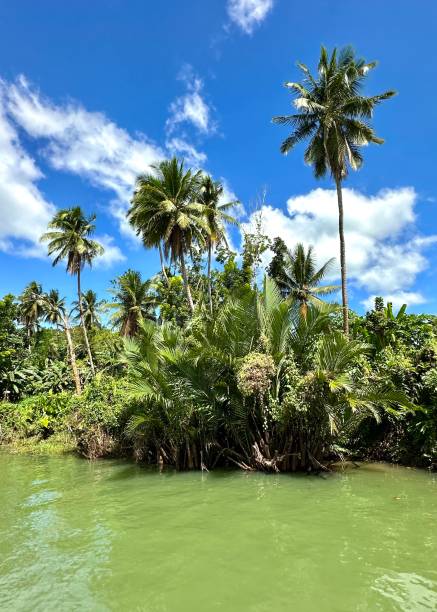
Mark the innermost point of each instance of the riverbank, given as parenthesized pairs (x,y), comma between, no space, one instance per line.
(64,444)
(56,445)
(105,422)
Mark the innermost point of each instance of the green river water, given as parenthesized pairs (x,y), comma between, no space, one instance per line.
(110,535)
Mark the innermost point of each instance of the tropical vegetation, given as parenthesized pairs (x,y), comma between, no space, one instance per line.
(335,118)
(217,359)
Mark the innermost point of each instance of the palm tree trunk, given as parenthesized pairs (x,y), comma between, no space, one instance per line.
(130,326)
(161,257)
(185,279)
(209,276)
(342,257)
(72,356)
(82,320)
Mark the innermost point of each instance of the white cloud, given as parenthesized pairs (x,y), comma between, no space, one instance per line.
(112,252)
(24,211)
(410,298)
(394,266)
(384,256)
(191,107)
(248,14)
(84,143)
(179,146)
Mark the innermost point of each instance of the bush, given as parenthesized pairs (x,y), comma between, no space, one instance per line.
(96,419)
(41,415)
(99,415)
(255,374)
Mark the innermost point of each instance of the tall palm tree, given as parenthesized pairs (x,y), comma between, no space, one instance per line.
(91,308)
(55,314)
(133,302)
(31,307)
(140,213)
(301,279)
(335,117)
(166,210)
(217,217)
(70,240)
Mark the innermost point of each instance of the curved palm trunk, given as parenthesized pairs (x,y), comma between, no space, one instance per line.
(342,257)
(209,276)
(72,356)
(161,258)
(82,320)
(185,279)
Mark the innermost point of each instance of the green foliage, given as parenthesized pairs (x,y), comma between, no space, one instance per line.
(216,211)
(255,244)
(246,387)
(132,302)
(106,347)
(101,402)
(210,366)
(167,209)
(332,114)
(429,380)
(300,279)
(170,296)
(91,309)
(259,384)
(276,267)
(31,308)
(11,344)
(98,416)
(231,279)
(69,239)
(255,374)
(49,345)
(381,327)
(334,117)
(39,415)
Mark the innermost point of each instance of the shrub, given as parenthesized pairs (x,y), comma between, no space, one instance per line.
(99,415)
(255,374)
(40,415)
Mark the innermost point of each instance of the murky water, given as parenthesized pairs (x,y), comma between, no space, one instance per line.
(111,535)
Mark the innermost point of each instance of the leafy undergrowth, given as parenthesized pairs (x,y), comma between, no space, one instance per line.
(58,444)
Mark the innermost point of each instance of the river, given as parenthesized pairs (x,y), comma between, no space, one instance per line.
(111,535)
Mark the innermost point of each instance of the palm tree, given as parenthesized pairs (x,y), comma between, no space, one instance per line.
(91,309)
(55,314)
(140,213)
(300,278)
(216,216)
(31,307)
(335,118)
(166,209)
(71,240)
(133,302)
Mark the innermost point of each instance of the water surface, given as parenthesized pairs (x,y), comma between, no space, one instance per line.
(110,535)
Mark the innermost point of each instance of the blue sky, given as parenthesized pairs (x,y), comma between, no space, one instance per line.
(93,92)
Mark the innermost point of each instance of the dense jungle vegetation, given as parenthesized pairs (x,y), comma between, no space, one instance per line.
(216,360)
